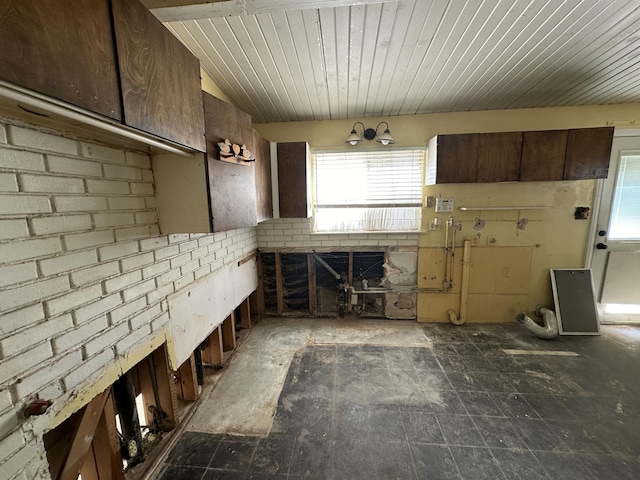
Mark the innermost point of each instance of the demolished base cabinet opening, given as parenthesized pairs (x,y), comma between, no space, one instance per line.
(339,283)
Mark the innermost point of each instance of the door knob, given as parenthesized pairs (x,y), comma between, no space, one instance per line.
(602,246)
(602,233)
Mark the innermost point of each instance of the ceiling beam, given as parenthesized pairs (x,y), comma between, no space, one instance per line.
(182,10)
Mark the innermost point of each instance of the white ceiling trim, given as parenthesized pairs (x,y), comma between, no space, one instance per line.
(230,8)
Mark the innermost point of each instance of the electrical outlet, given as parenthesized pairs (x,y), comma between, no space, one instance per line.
(492,240)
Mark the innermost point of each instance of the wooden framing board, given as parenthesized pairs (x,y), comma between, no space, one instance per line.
(103,461)
(256,298)
(188,380)
(245,314)
(279,286)
(82,438)
(213,353)
(166,387)
(311,270)
(229,333)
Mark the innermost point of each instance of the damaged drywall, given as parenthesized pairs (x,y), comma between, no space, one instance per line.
(400,273)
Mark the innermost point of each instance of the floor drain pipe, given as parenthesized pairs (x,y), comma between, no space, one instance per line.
(464,287)
(550,328)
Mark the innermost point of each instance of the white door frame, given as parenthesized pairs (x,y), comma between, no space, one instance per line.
(606,187)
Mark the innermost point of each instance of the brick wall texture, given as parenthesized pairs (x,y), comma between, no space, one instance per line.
(84,272)
(296,233)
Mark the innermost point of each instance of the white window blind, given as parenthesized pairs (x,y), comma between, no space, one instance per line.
(625,213)
(363,191)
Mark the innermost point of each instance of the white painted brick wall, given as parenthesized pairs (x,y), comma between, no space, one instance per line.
(10,229)
(84,272)
(79,203)
(60,223)
(24,204)
(296,233)
(15,274)
(37,333)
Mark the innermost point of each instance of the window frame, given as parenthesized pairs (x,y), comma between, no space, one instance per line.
(417,183)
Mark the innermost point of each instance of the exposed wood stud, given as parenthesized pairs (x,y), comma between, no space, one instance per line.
(311,269)
(188,380)
(229,332)
(257,297)
(245,314)
(197,355)
(213,353)
(279,286)
(83,437)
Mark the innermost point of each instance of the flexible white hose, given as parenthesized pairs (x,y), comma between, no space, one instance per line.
(550,328)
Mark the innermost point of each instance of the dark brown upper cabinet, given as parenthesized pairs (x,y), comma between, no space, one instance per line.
(264,190)
(63,49)
(294,181)
(232,187)
(543,155)
(588,153)
(499,157)
(520,156)
(478,157)
(160,78)
(457,157)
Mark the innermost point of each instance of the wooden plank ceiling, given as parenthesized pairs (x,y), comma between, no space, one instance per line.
(293,60)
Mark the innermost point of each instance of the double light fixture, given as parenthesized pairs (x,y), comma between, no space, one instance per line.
(384,138)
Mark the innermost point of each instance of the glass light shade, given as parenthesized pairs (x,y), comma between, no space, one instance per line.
(353,138)
(385,138)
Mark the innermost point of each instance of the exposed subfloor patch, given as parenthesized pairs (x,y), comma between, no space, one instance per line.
(452,405)
(245,398)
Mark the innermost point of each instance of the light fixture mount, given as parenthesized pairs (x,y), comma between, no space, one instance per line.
(384,138)
(369,134)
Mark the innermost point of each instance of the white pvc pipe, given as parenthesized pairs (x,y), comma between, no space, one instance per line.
(464,287)
(550,328)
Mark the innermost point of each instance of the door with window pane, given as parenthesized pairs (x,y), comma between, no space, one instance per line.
(616,255)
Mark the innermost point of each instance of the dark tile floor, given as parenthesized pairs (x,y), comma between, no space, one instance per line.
(464,409)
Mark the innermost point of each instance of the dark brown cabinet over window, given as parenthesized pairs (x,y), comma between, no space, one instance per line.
(63,49)
(160,78)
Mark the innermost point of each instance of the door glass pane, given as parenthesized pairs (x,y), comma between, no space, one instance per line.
(625,212)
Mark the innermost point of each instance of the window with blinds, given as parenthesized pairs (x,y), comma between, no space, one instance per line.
(625,212)
(368,191)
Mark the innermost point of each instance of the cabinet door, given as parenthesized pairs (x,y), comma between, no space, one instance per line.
(543,155)
(63,49)
(588,153)
(457,158)
(499,157)
(293,179)
(232,187)
(264,192)
(160,78)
